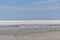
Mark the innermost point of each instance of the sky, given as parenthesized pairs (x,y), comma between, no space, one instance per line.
(29,9)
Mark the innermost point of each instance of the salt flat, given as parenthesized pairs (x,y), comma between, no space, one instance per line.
(50,35)
(40,36)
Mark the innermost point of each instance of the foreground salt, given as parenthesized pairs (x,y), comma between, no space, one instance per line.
(32,36)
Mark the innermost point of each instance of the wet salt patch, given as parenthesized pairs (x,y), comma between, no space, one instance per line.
(18,27)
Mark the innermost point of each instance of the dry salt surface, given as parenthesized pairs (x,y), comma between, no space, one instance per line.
(52,35)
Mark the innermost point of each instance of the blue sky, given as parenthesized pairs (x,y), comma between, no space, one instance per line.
(29,9)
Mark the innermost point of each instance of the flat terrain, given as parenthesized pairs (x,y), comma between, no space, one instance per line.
(50,35)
